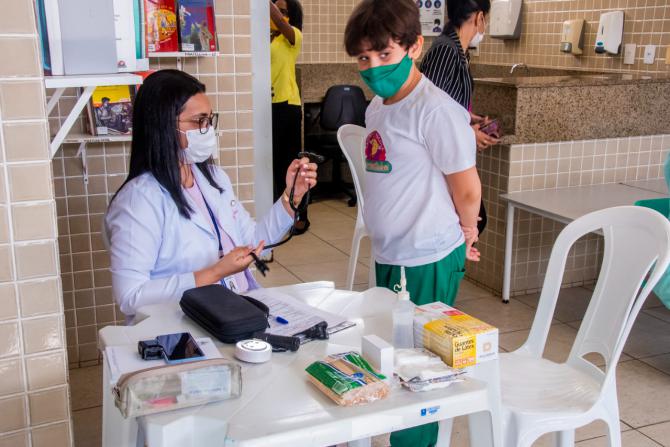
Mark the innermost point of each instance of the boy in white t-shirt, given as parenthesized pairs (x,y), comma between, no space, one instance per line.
(421,185)
(422,190)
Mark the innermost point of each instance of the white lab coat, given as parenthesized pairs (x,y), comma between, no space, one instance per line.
(155,250)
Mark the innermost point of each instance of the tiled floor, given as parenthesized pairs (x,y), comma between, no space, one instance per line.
(643,374)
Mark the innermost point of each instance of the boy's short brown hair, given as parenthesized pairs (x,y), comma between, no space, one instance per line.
(374,22)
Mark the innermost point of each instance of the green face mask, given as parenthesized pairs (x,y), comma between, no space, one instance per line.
(386,80)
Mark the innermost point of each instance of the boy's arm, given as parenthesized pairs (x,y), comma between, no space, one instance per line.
(451,143)
(466,192)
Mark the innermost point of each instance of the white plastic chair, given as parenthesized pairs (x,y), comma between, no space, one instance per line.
(352,142)
(540,396)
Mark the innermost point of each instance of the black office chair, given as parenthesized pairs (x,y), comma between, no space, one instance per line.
(343,104)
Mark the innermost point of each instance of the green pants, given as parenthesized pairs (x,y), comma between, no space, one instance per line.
(428,283)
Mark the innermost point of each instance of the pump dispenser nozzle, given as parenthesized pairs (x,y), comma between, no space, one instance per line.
(403,294)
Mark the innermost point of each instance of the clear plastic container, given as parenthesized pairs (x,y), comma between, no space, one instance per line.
(171,387)
(403,325)
(403,317)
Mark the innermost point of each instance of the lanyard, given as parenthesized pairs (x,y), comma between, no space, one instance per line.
(232,285)
(216,226)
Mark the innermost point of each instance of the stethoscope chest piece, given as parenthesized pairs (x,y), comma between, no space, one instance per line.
(253,351)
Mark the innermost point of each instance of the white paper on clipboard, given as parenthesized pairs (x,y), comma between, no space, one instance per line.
(300,316)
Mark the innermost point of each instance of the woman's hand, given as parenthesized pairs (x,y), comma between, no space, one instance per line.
(235,261)
(306,173)
(483,140)
(477,119)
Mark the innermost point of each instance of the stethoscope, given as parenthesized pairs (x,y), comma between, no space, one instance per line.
(298,210)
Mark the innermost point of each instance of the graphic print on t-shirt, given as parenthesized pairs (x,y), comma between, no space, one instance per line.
(375,154)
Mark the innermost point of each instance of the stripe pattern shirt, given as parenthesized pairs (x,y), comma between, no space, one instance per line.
(448,67)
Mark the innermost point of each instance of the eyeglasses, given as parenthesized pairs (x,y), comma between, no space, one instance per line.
(204,122)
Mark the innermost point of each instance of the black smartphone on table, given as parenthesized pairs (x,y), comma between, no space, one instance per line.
(180,347)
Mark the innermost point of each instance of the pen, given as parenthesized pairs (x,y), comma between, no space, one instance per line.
(281,320)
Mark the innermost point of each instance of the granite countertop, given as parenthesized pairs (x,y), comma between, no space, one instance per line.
(508,140)
(603,79)
(315,79)
(538,108)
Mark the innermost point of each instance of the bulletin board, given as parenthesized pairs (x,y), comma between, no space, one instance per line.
(432,16)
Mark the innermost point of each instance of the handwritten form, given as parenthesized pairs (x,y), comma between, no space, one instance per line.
(300,316)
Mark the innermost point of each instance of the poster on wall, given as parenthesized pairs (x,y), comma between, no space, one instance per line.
(432,16)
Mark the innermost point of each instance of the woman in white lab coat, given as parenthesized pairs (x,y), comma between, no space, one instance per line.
(175,223)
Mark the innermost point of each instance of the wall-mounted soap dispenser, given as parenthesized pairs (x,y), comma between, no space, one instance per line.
(572,39)
(610,32)
(505,19)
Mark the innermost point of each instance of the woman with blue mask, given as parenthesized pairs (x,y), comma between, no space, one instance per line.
(175,223)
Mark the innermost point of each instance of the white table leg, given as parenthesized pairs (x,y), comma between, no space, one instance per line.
(116,431)
(509,235)
(480,429)
(486,427)
(564,438)
(365,442)
(444,434)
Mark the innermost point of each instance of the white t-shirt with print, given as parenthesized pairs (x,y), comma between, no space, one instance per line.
(410,146)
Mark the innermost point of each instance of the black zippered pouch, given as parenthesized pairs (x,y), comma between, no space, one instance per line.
(226,315)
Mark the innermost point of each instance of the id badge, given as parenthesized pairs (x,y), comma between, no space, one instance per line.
(231,283)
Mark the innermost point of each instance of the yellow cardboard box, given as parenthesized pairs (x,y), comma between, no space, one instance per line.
(459,339)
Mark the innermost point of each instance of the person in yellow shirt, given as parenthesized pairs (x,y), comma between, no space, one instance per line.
(286,41)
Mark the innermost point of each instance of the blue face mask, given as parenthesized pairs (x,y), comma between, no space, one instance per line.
(386,80)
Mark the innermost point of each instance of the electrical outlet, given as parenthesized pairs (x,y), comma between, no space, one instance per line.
(649,54)
(629,53)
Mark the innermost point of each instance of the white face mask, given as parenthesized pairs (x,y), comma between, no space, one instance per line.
(474,43)
(200,146)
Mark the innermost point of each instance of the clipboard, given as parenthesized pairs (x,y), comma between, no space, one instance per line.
(301,317)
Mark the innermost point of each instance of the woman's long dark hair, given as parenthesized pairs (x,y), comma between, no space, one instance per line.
(155,146)
(460,10)
(295,15)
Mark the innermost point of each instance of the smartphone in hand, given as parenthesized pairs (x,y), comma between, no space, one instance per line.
(492,128)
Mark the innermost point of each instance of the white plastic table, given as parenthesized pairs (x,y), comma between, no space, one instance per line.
(656,185)
(279,407)
(565,205)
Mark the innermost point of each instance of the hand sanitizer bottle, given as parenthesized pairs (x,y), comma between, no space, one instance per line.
(403,317)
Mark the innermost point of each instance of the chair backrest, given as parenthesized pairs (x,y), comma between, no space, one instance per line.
(637,241)
(352,141)
(343,104)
